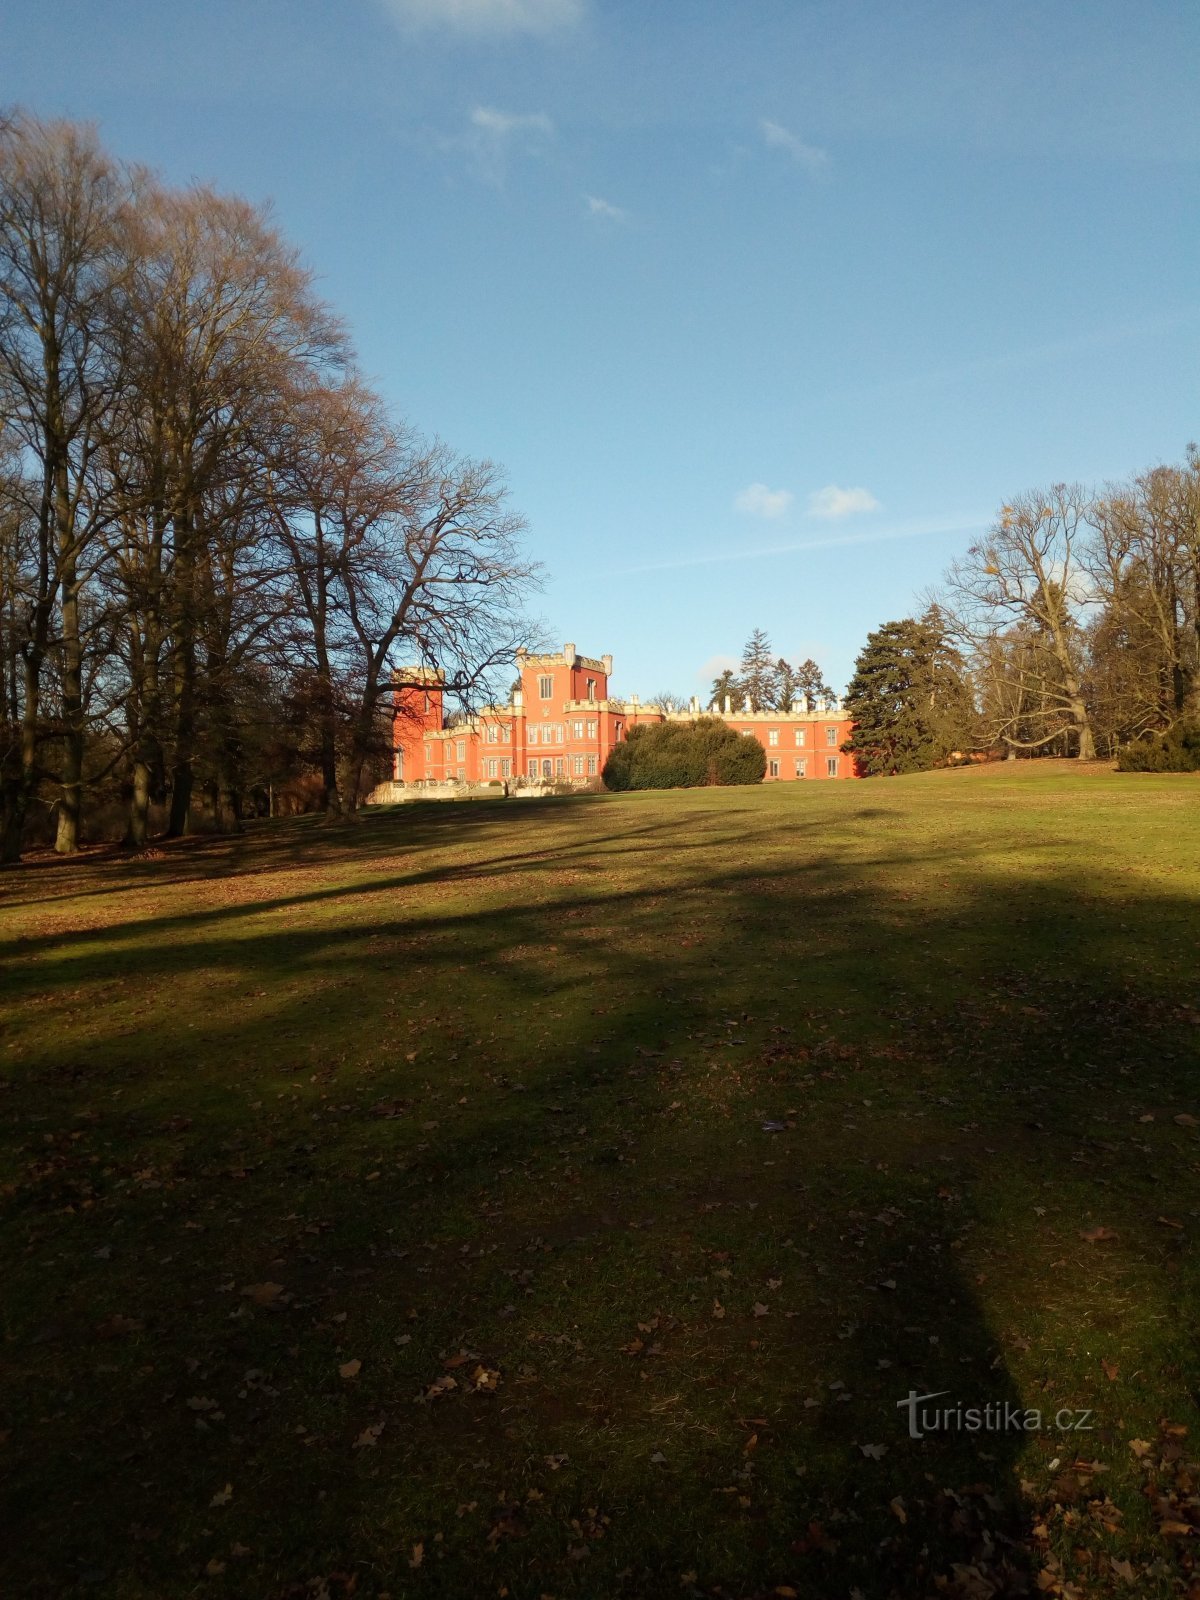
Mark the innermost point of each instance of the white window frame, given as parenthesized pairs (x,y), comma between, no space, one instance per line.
(831,766)
(545,686)
(831,736)
(773,737)
(801,738)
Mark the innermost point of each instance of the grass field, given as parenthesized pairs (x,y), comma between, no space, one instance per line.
(558,1199)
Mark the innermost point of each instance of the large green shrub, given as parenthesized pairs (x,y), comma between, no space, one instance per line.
(684,755)
(1177,751)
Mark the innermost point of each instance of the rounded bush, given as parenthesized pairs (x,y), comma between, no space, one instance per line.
(1177,751)
(684,755)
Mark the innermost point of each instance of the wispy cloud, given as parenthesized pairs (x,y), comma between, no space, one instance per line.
(596,207)
(831,503)
(499,124)
(814,160)
(487,17)
(961,527)
(756,500)
(492,135)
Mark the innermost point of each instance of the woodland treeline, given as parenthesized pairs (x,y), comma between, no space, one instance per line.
(215,540)
(1072,628)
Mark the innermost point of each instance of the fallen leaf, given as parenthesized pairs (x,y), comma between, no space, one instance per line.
(222,1496)
(1095,1235)
(418,1555)
(1186,1120)
(874,1452)
(896,1506)
(761,1310)
(369,1437)
(263,1294)
(1110,1370)
(350,1369)
(113,1327)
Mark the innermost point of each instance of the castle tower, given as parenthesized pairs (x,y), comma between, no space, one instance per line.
(417,709)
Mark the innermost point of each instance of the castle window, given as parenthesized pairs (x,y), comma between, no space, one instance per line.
(591,688)
(831,766)
(773,768)
(831,736)
(533,733)
(591,730)
(493,765)
(533,769)
(801,737)
(577,762)
(773,736)
(546,687)
(461,749)
(577,729)
(591,766)
(801,769)
(506,768)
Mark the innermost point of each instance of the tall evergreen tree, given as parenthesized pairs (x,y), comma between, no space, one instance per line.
(908,698)
(726,687)
(810,683)
(757,680)
(787,685)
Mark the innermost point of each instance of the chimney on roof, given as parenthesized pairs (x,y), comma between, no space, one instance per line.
(728,706)
(569,653)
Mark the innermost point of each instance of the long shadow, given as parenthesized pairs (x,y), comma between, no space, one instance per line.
(770,1087)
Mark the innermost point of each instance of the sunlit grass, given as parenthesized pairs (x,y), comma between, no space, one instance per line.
(704,1125)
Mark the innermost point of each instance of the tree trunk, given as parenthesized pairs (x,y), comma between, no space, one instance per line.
(70,805)
(182,776)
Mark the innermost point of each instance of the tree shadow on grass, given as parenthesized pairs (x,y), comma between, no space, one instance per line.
(685,1180)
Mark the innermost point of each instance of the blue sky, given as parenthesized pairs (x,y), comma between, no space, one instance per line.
(765,305)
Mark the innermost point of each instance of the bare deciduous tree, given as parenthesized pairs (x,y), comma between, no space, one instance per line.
(1015,598)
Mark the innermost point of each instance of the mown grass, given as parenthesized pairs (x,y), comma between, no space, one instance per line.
(685,1133)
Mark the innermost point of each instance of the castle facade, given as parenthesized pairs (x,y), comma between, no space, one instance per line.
(561,723)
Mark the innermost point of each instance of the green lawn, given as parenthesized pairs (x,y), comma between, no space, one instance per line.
(557,1198)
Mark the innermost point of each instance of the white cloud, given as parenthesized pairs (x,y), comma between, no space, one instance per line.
(487,16)
(493,134)
(604,208)
(756,500)
(832,503)
(501,123)
(814,160)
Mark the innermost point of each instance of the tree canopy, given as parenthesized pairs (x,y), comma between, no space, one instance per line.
(909,698)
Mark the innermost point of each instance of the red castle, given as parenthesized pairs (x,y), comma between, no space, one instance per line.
(561,723)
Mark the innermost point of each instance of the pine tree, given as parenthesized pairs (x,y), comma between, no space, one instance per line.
(726,687)
(810,681)
(787,685)
(908,698)
(757,681)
